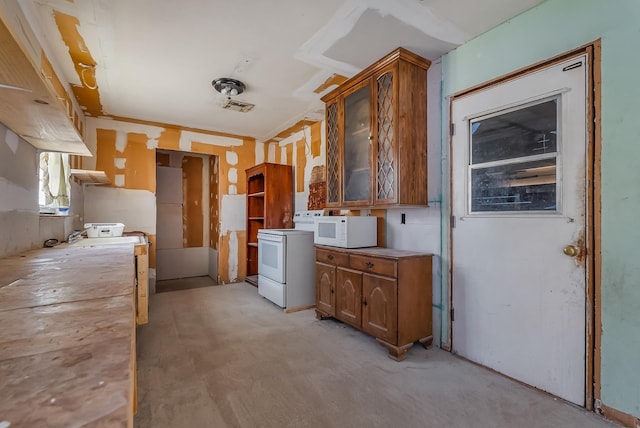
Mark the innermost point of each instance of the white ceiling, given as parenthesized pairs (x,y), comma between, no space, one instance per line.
(156,58)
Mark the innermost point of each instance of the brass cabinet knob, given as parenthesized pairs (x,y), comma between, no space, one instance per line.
(571,250)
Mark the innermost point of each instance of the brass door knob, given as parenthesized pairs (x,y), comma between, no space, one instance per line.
(571,250)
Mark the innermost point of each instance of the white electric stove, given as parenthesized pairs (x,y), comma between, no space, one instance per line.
(286,263)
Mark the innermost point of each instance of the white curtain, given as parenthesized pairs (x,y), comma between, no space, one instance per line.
(54,179)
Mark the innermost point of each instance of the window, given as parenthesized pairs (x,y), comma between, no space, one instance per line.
(513,159)
(55,186)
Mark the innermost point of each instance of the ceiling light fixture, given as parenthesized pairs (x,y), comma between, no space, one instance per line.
(228,87)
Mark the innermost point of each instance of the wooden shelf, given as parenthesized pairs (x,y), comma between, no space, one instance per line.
(90,177)
(269,205)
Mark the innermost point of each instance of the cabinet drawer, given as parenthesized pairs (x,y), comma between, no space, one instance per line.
(374,265)
(331,257)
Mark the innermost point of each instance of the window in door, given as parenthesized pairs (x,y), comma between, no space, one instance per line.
(513,161)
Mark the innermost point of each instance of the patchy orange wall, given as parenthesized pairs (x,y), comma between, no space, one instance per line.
(232,161)
(301,163)
(214,202)
(139,161)
(87,93)
(192,214)
(139,173)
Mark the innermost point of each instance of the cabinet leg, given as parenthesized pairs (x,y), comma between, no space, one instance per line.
(426,341)
(321,315)
(395,352)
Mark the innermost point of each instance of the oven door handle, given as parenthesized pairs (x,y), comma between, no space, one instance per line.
(270,238)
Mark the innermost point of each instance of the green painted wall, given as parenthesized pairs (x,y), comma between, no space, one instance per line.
(552,28)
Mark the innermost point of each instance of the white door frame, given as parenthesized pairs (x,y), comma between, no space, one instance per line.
(592,207)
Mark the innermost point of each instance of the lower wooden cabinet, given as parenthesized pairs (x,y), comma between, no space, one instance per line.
(383,292)
(325,289)
(380,307)
(349,296)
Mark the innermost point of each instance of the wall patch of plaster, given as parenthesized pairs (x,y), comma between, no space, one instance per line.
(230,206)
(120,162)
(188,137)
(121,141)
(119,180)
(232,159)
(259,153)
(233,257)
(122,129)
(233,175)
(233,189)
(272,152)
(152,143)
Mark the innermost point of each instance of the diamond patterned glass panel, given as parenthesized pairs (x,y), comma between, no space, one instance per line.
(386,172)
(332,153)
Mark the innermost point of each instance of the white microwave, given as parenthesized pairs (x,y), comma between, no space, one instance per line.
(346,231)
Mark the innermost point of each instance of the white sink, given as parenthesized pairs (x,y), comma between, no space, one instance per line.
(87,242)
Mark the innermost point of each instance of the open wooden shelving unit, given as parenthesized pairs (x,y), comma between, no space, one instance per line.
(269,206)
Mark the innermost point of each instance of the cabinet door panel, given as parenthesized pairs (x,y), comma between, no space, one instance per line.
(325,288)
(349,296)
(356,162)
(386,168)
(380,307)
(333,154)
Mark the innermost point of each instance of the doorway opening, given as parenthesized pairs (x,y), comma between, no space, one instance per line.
(187,217)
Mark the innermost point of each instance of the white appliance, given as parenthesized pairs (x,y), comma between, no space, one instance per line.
(346,231)
(100,230)
(286,263)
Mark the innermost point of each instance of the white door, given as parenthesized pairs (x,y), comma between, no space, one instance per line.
(518,202)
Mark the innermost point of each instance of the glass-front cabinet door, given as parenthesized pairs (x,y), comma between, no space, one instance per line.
(333,154)
(356,165)
(385,161)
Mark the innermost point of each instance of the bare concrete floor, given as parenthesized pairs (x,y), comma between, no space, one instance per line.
(225,357)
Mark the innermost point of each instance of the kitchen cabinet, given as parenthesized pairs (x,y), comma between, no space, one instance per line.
(383,292)
(376,127)
(349,296)
(325,288)
(269,206)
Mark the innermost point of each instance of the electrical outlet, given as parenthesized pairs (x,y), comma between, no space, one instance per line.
(403,218)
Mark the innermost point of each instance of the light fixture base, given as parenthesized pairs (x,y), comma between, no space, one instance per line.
(229,87)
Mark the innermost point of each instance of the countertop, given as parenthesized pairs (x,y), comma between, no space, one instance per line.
(67,337)
(387,253)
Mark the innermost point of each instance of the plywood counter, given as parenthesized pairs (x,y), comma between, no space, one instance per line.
(67,337)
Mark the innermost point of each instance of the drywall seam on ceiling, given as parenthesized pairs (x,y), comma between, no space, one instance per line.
(345,19)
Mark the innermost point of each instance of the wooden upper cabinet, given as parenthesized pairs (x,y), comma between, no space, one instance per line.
(377,135)
(333,154)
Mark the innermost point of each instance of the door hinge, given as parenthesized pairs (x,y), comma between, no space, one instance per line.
(452,128)
(453,221)
(452,317)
